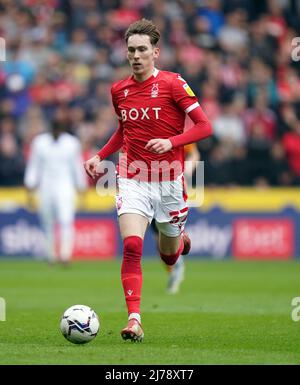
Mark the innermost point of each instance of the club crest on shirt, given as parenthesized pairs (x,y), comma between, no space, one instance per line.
(126,92)
(154,91)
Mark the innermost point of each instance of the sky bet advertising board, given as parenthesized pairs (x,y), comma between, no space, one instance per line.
(243,224)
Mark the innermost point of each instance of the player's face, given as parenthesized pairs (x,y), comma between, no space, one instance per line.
(141,55)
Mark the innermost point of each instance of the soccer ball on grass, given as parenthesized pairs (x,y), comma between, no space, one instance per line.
(79,324)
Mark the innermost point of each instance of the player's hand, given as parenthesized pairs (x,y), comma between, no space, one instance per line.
(159,146)
(91,165)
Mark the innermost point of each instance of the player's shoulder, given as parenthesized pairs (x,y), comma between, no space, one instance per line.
(41,138)
(121,84)
(171,76)
(178,84)
(69,138)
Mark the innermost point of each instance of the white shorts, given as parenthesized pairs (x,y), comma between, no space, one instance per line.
(163,201)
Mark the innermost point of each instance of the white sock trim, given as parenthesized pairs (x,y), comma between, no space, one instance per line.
(135,316)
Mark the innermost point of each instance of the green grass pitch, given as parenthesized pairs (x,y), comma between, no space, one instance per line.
(226,313)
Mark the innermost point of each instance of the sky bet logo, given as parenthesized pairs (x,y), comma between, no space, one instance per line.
(296,50)
(2,309)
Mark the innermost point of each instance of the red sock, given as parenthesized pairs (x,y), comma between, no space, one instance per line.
(171,259)
(131,272)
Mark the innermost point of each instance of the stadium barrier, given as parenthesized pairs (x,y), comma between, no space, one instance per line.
(238,223)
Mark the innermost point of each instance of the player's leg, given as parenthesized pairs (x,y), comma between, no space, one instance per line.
(176,276)
(171,214)
(66,241)
(47,219)
(172,247)
(176,272)
(154,230)
(132,227)
(65,212)
(135,213)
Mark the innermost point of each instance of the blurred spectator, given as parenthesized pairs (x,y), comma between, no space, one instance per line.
(209,99)
(262,44)
(240,167)
(233,36)
(80,49)
(279,172)
(217,167)
(228,126)
(258,155)
(11,159)
(291,143)
(211,15)
(288,85)
(261,80)
(262,115)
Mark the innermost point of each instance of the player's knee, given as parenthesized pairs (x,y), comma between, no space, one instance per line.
(132,255)
(171,255)
(133,246)
(169,260)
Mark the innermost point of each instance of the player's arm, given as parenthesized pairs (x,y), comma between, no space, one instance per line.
(32,173)
(201,129)
(114,144)
(187,101)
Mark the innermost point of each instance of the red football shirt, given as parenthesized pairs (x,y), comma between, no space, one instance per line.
(155,108)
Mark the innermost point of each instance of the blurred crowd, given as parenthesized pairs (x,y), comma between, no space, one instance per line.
(63,55)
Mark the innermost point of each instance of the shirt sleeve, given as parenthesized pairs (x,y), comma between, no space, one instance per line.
(201,130)
(188,102)
(115,143)
(183,95)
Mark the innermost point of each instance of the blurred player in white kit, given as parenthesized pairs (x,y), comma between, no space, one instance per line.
(55,171)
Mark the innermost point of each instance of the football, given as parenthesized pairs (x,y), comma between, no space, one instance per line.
(79,324)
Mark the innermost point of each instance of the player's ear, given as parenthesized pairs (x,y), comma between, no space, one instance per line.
(156,52)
